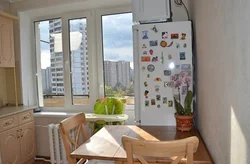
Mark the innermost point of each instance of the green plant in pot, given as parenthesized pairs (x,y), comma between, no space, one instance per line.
(183,97)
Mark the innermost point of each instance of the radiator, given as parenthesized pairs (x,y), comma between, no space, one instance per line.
(57,151)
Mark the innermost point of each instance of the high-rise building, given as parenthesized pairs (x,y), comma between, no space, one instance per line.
(79,60)
(116,72)
(46,80)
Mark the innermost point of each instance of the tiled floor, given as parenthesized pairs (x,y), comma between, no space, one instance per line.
(41,162)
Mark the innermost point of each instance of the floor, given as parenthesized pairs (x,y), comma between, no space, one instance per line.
(41,162)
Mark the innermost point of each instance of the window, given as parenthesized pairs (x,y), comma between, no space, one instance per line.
(118,55)
(50,92)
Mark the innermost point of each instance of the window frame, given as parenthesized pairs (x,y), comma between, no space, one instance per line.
(95,56)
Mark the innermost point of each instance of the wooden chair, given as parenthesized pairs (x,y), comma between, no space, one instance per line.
(141,148)
(66,126)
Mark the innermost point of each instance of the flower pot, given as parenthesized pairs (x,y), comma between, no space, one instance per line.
(184,123)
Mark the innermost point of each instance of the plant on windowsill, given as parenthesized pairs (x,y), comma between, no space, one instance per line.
(184,115)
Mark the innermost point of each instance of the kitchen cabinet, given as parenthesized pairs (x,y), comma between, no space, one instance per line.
(17,138)
(7,58)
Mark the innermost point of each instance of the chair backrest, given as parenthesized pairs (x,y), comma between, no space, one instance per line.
(74,125)
(142,148)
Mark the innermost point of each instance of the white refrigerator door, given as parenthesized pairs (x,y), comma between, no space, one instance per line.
(158,48)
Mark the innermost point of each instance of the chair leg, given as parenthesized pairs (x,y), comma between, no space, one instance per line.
(190,153)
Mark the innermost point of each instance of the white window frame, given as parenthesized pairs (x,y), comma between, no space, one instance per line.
(95,57)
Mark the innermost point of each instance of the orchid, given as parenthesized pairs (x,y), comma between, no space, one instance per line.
(177,84)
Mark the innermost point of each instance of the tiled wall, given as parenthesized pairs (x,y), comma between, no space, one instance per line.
(223,73)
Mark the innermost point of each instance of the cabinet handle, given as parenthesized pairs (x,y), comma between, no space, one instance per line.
(8,123)
(17,134)
(21,132)
(26,117)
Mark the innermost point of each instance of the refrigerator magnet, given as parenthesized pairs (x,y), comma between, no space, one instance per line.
(151,67)
(154,29)
(185,45)
(177,45)
(157,88)
(147,103)
(170,103)
(165,100)
(146,94)
(155,59)
(158,97)
(145,52)
(145,59)
(153,43)
(169,84)
(144,34)
(163,44)
(171,44)
(158,79)
(186,67)
(162,58)
(151,52)
(169,57)
(143,68)
(167,72)
(183,36)
(158,106)
(175,36)
(153,102)
(164,35)
(182,56)
(144,46)
(145,84)
(148,75)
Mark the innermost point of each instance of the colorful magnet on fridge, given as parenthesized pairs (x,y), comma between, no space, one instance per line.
(144,34)
(175,36)
(145,84)
(157,88)
(153,102)
(146,103)
(144,46)
(151,52)
(154,29)
(143,68)
(177,67)
(167,72)
(153,43)
(171,44)
(146,93)
(155,59)
(151,67)
(169,57)
(186,67)
(162,58)
(169,84)
(164,35)
(163,43)
(145,59)
(158,106)
(145,52)
(148,75)
(158,79)
(170,103)
(185,45)
(183,36)
(177,45)
(158,97)
(182,56)
(165,100)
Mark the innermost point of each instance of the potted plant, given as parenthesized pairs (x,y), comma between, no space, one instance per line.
(183,97)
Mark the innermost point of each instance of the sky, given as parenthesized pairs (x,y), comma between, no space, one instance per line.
(117,38)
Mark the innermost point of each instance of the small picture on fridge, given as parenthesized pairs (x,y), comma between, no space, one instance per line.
(153,43)
(144,34)
(164,35)
(153,102)
(182,56)
(170,103)
(167,72)
(147,103)
(158,97)
(175,36)
(165,100)
(186,67)
(183,36)
(184,90)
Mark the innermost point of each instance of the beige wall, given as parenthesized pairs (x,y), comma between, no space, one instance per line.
(223,66)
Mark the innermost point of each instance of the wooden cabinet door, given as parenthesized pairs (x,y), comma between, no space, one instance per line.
(6,43)
(28,144)
(10,147)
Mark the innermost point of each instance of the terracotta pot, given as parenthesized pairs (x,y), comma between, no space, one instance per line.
(184,123)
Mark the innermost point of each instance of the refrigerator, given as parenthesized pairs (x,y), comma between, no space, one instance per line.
(162,52)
